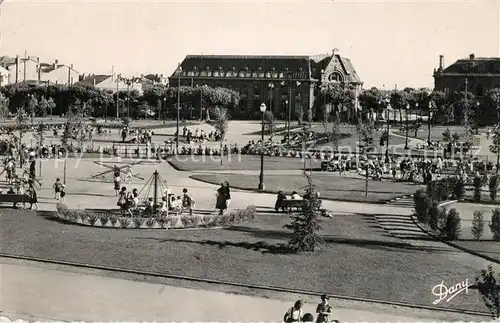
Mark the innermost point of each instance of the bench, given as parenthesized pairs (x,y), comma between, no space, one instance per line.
(15,199)
(289,205)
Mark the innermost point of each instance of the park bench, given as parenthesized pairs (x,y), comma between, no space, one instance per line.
(23,199)
(290,205)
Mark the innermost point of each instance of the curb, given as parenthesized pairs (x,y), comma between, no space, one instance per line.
(398,198)
(254,190)
(449,243)
(249,286)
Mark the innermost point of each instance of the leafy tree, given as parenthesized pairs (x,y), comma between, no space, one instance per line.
(452,227)
(39,134)
(493,96)
(477,228)
(4,106)
(220,123)
(51,105)
(495,145)
(490,291)
(335,134)
(399,100)
(493,186)
(306,224)
(495,224)
(31,106)
(269,121)
(369,100)
(21,118)
(42,108)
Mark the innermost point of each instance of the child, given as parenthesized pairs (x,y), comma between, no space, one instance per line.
(117,181)
(187,201)
(62,193)
(34,198)
(57,189)
(176,204)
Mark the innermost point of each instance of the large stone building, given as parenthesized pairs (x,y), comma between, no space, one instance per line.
(274,80)
(478,74)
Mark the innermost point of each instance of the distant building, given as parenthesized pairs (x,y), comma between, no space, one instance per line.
(259,79)
(21,69)
(111,83)
(56,73)
(479,74)
(4,76)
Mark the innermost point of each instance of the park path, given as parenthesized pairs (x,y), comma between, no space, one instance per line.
(47,292)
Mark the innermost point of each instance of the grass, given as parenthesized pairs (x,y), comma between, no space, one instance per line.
(330,186)
(487,248)
(358,258)
(436,132)
(235,162)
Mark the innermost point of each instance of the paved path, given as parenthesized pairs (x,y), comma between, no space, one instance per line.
(48,294)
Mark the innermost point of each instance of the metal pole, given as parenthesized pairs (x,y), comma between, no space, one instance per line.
(366,180)
(387,138)
(429,129)
(155,200)
(201,103)
(65,165)
(406,140)
(261,175)
(164,105)
(289,112)
(178,106)
(117,99)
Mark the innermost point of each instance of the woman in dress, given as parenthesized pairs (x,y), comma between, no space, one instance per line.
(220,204)
(122,200)
(117,181)
(33,198)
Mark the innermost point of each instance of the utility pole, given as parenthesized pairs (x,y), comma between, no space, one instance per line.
(117,98)
(179,70)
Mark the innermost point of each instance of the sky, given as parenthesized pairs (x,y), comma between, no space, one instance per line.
(390,43)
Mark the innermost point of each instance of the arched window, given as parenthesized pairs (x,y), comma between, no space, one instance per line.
(335,77)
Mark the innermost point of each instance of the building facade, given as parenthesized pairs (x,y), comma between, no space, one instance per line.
(282,82)
(21,69)
(4,76)
(111,83)
(478,74)
(58,74)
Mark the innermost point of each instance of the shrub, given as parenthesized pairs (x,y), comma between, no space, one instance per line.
(477,229)
(422,203)
(442,215)
(459,189)
(478,183)
(490,290)
(150,222)
(187,221)
(138,221)
(495,224)
(124,222)
(92,218)
(104,218)
(162,222)
(82,215)
(493,185)
(434,215)
(113,219)
(452,227)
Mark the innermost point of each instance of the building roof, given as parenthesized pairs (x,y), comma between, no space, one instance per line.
(302,67)
(479,65)
(90,80)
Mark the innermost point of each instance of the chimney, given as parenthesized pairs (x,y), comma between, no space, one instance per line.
(472,56)
(17,68)
(94,81)
(71,66)
(55,63)
(441,62)
(335,52)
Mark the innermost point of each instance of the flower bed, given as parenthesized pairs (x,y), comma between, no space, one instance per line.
(183,221)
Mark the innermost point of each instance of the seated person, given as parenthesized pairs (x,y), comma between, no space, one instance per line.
(176,204)
(279,201)
(164,204)
(296,196)
(150,206)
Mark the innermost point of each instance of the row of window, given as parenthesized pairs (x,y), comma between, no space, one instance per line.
(245,74)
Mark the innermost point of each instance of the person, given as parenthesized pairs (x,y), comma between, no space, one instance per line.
(187,201)
(117,181)
(122,199)
(164,204)
(308,318)
(130,175)
(33,197)
(294,313)
(62,193)
(228,195)
(176,204)
(57,189)
(279,201)
(296,196)
(324,310)
(220,204)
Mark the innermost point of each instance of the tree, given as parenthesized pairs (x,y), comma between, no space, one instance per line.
(51,105)
(335,134)
(493,96)
(220,123)
(42,107)
(495,145)
(31,106)
(477,228)
(490,291)
(4,106)
(269,122)
(306,224)
(21,118)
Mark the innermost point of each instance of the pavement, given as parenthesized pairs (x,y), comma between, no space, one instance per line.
(46,292)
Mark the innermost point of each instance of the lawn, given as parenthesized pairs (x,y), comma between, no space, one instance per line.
(487,248)
(330,186)
(358,258)
(436,132)
(238,163)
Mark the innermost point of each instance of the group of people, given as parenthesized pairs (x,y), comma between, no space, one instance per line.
(24,183)
(323,312)
(199,135)
(142,136)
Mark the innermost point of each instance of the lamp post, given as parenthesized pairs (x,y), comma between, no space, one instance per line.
(271,87)
(289,104)
(165,109)
(179,70)
(388,106)
(406,139)
(477,118)
(429,125)
(261,176)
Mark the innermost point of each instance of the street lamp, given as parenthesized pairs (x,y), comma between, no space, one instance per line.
(406,140)
(179,70)
(289,104)
(388,107)
(477,117)
(164,109)
(429,124)
(271,87)
(261,176)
